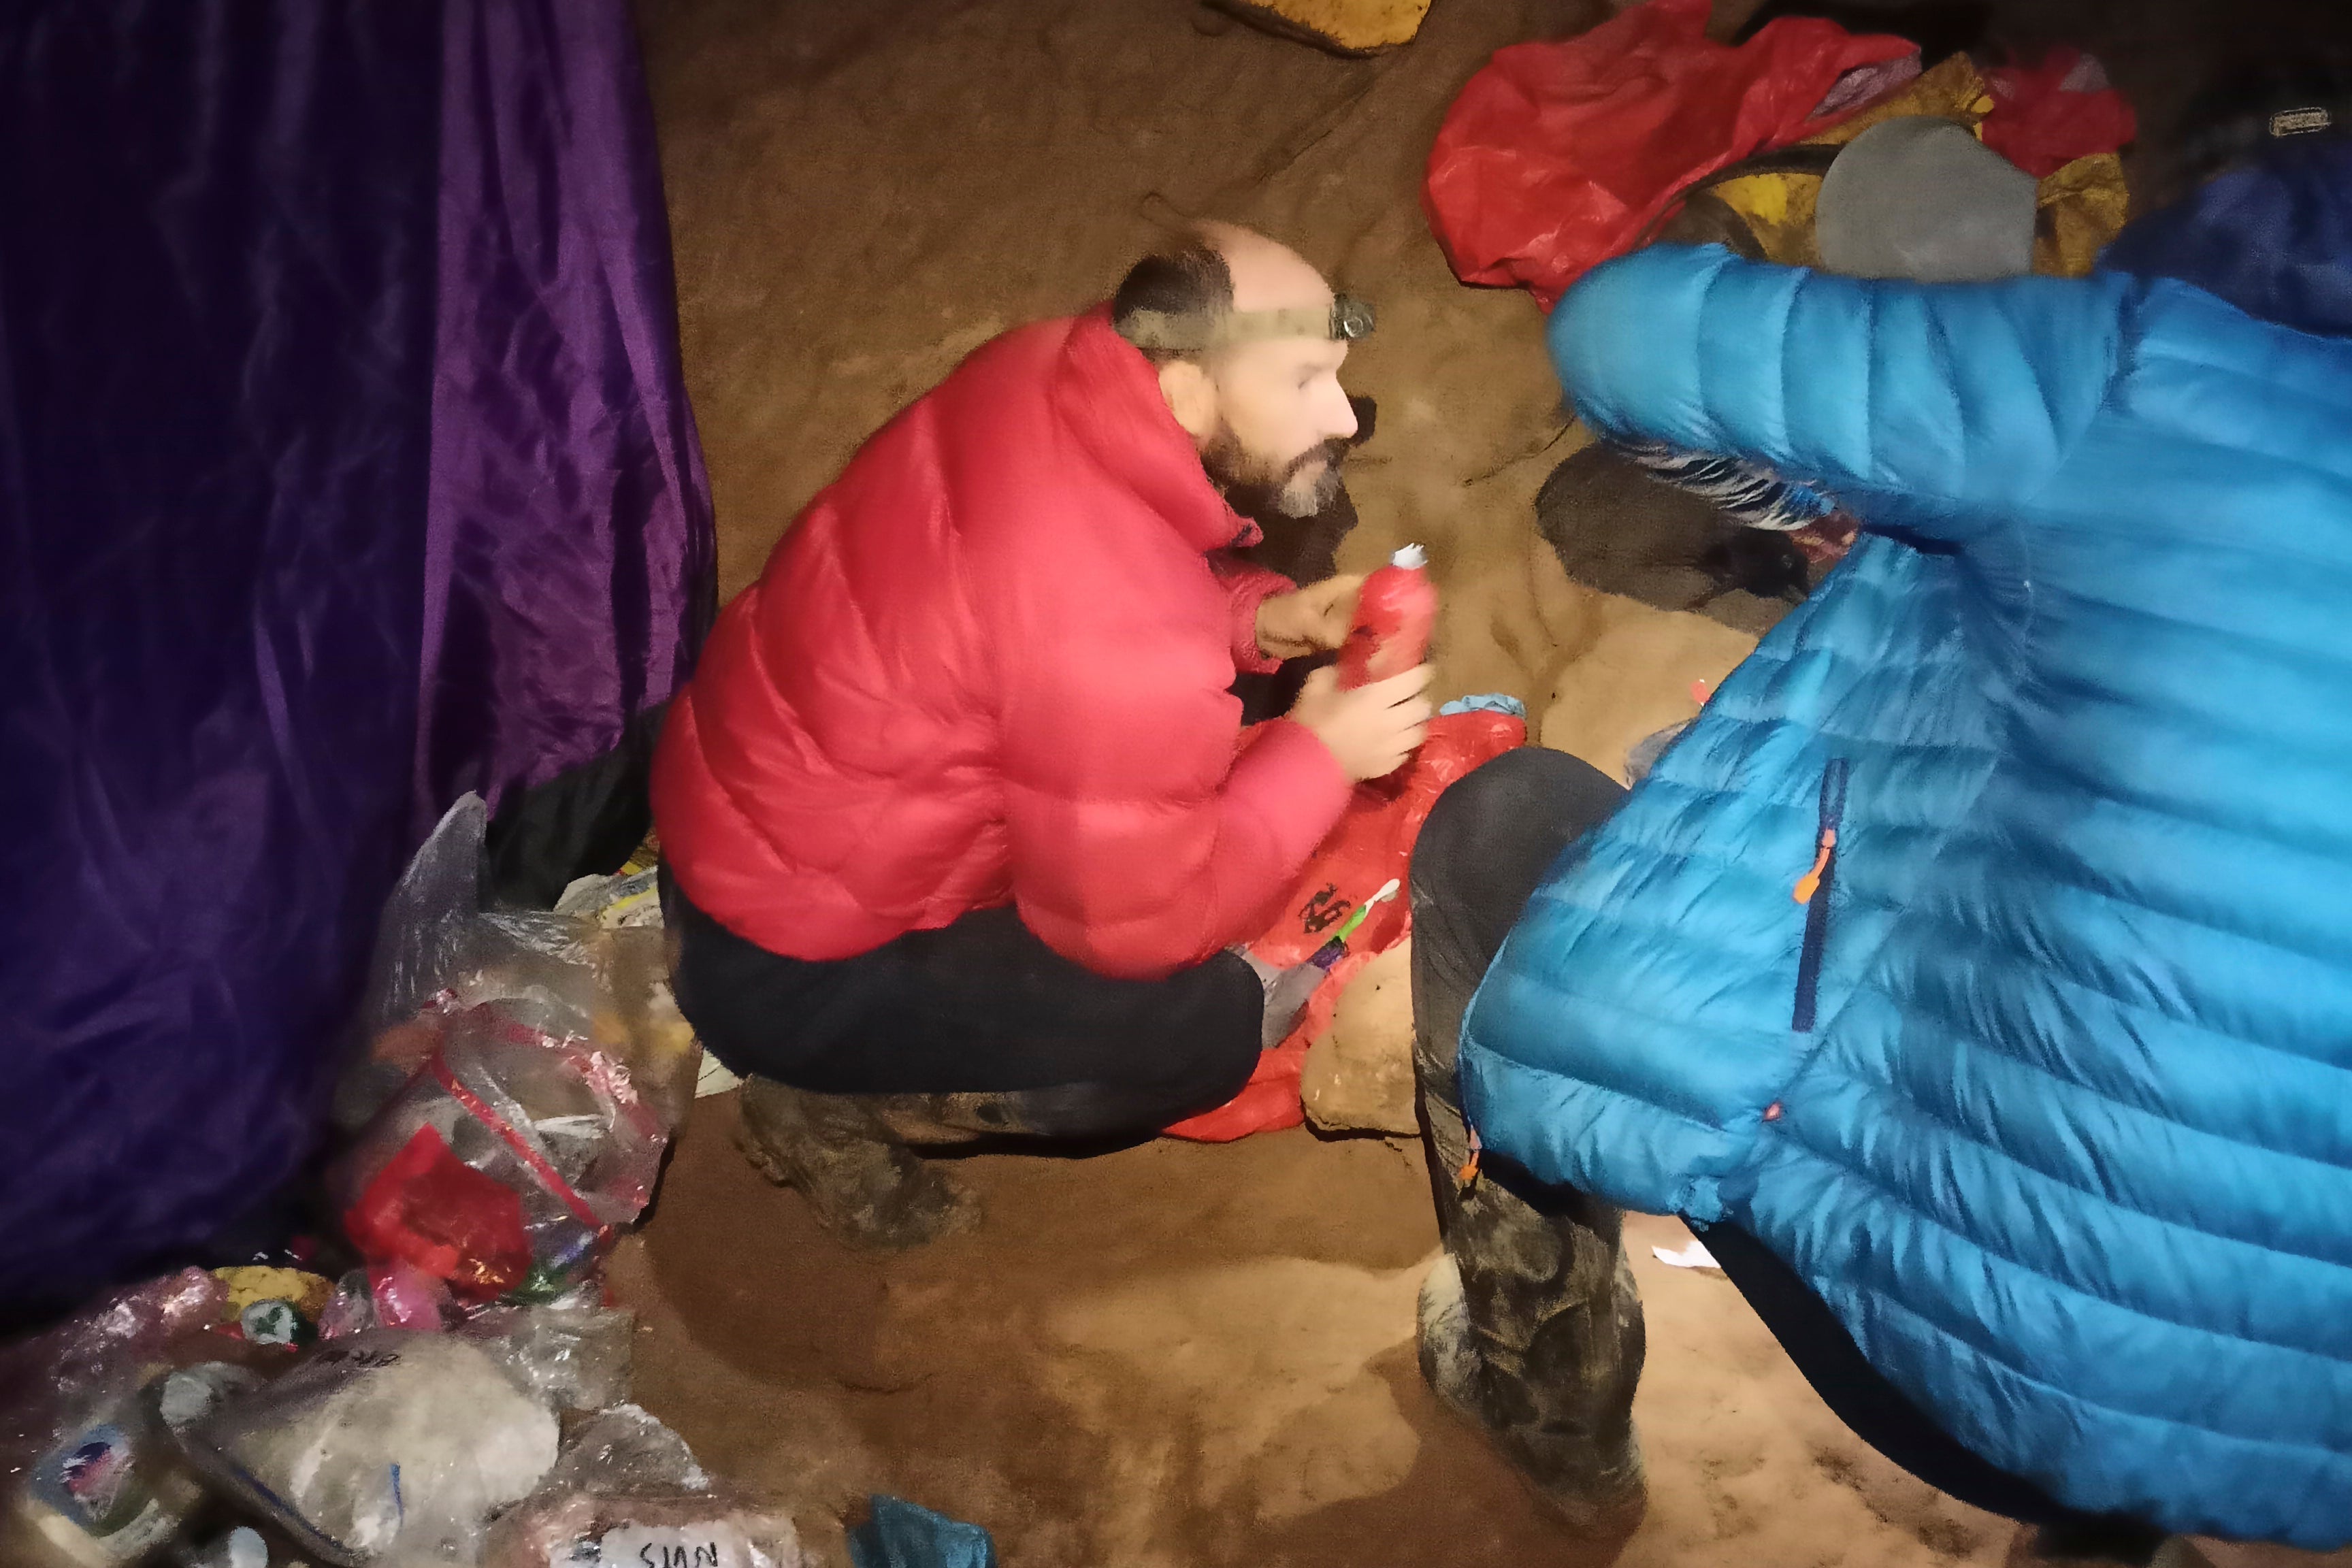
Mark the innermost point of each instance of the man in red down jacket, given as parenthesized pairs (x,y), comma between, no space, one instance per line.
(958,818)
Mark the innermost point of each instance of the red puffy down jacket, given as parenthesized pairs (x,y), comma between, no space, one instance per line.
(989,665)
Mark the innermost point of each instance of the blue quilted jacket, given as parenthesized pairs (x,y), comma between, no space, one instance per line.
(2047,1089)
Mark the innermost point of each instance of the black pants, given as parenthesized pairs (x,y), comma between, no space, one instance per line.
(1552,1310)
(981,1005)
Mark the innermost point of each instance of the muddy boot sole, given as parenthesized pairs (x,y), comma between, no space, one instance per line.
(864,1186)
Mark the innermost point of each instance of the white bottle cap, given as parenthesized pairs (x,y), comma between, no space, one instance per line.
(1412,558)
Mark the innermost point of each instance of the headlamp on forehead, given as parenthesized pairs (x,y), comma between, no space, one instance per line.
(1160,331)
(1350,318)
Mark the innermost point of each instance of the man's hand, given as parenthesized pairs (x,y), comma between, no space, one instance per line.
(1313,619)
(1369,732)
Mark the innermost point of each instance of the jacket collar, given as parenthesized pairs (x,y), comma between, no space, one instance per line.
(1107,396)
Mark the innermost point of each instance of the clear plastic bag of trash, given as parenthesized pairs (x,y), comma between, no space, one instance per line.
(575,1358)
(133,1326)
(506,1166)
(626,1449)
(91,1481)
(387,1450)
(441,955)
(627,1491)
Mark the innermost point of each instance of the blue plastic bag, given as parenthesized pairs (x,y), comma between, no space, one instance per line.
(901,1535)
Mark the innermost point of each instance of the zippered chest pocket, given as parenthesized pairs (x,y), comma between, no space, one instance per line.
(1813,890)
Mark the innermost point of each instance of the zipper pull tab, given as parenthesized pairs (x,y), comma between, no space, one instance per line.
(1467,1176)
(1811,882)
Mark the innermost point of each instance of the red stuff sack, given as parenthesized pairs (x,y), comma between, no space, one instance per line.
(1372,844)
(1560,155)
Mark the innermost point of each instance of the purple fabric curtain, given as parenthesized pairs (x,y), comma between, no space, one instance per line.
(344,465)
(569,554)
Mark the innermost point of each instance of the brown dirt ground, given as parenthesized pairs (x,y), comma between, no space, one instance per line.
(1177,1354)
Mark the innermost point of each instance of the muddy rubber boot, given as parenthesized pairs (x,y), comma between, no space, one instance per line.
(944,1121)
(1530,1325)
(1447,1362)
(864,1183)
(1559,1432)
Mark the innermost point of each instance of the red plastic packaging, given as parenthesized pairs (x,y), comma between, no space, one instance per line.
(507,1165)
(1395,614)
(1372,843)
(432,1211)
(2046,116)
(1559,155)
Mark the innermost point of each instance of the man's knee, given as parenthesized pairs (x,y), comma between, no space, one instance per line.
(1491,837)
(1485,845)
(1227,1043)
(1205,1059)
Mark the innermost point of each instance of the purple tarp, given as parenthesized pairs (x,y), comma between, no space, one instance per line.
(344,467)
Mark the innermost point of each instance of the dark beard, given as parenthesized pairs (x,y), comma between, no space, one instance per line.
(1256,488)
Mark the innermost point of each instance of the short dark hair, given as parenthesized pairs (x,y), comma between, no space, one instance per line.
(1189,279)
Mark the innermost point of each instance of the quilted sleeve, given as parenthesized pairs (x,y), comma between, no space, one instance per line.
(1246,587)
(1929,407)
(1142,843)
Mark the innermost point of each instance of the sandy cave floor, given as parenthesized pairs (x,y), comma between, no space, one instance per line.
(1171,1353)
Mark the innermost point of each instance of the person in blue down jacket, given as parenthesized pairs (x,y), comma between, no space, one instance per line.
(1975,972)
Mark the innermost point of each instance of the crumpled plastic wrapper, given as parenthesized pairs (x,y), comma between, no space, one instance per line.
(573,1358)
(627,1491)
(386,1448)
(131,1327)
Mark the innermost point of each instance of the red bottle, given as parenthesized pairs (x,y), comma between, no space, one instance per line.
(1395,615)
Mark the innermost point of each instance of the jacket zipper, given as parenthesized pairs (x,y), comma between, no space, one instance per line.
(1814,889)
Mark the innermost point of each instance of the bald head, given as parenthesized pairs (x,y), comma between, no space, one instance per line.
(1266,275)
(1266,412)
